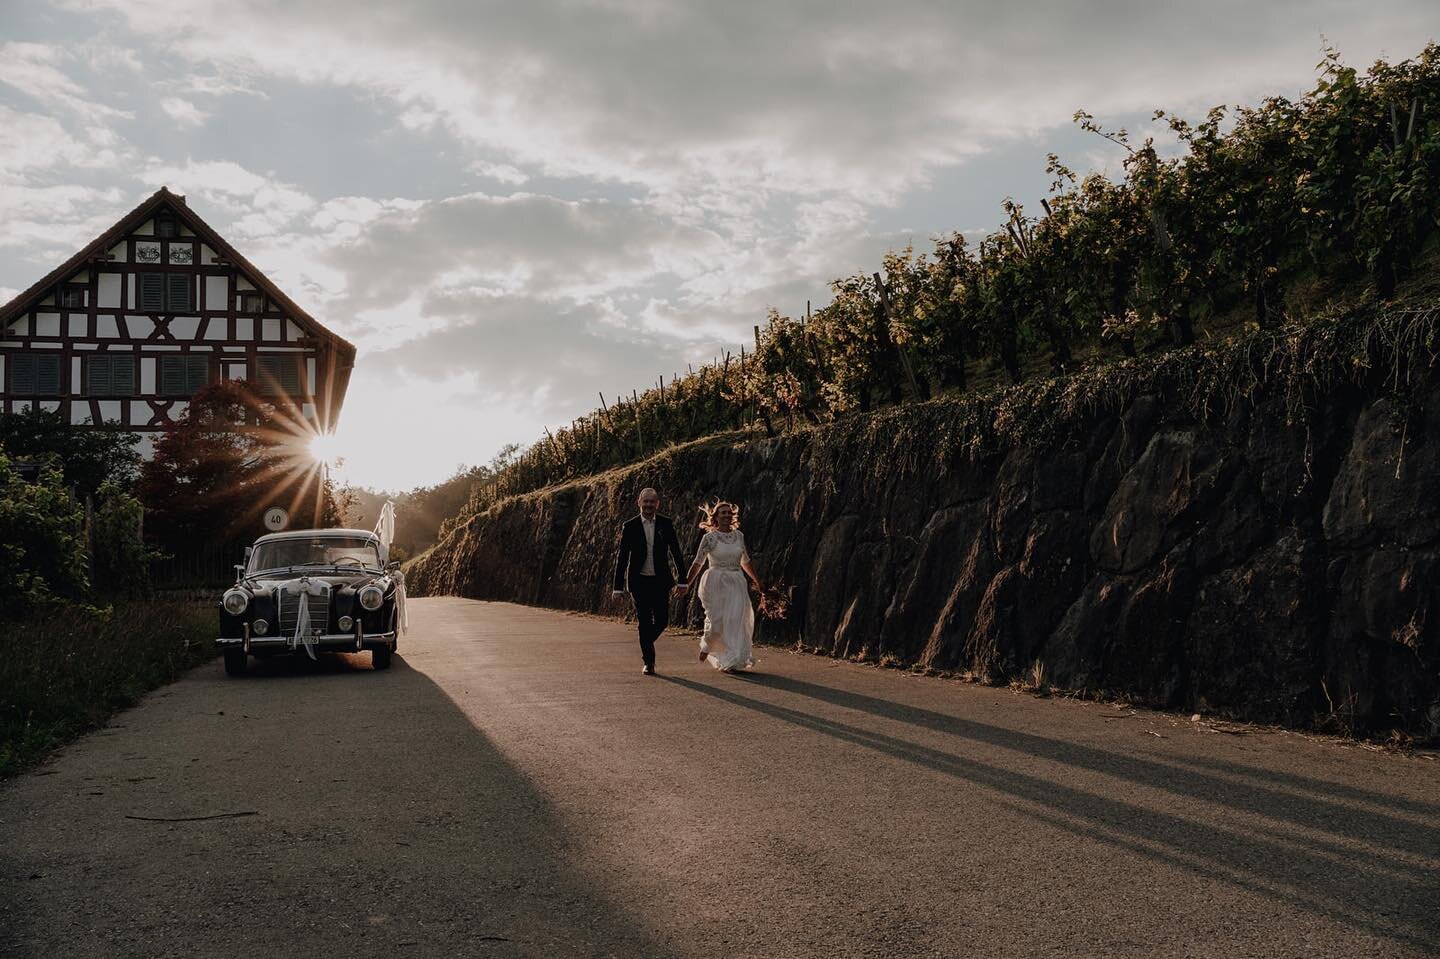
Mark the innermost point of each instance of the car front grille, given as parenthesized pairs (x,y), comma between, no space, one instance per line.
(290,597)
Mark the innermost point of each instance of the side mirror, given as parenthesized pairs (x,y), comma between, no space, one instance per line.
(392,566)
(239,572)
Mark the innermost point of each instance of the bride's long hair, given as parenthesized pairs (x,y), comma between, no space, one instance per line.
(708,523)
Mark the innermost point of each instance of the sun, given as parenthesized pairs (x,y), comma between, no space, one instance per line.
(324,448)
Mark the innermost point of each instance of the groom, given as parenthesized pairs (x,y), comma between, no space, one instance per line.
(647,545)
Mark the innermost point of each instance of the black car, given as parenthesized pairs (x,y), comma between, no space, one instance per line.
(313,591)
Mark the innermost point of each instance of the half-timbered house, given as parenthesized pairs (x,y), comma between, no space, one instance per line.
(128,329)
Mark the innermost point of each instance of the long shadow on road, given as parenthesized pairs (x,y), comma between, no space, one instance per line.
(377,820)
(1367,894)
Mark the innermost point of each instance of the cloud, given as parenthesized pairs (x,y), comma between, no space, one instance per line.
(183,111)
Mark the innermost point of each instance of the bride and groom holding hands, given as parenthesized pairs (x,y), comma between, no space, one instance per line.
(648,544)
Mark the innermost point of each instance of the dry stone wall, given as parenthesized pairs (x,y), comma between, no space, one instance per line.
(1253,564)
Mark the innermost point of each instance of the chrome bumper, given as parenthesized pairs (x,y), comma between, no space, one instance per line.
(340,642)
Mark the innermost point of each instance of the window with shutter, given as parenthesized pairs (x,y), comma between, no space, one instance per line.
(184,375)
(22,374)
(47,378)
(177,292)
(279,374)
(166,225)
(110,376)
(34,375)
(152,292)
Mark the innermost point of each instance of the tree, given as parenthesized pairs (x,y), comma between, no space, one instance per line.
(230,457)
(86,458)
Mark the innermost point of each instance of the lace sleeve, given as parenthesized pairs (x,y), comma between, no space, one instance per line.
(703,551)
(744,553)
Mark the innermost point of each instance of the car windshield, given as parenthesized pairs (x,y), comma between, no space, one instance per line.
(339,551)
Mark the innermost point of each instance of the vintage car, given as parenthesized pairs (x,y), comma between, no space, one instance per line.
(313,591)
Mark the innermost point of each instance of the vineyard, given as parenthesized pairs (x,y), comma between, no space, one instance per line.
(1264,216)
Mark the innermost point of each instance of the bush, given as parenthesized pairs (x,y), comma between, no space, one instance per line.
(119,559)
(42,542)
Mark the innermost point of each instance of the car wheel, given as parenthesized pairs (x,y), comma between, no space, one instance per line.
(235,662)
(380,657)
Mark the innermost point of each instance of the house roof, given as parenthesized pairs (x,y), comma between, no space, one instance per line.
(98,247)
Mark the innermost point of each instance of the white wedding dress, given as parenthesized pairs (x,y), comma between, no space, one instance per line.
(725,594)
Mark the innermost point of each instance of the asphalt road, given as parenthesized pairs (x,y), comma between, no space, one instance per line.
(515,787)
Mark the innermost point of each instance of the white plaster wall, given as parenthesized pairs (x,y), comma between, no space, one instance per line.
(140,411)
(140,327)
(147,245)
(78,324)
(84,346)
(185,327)
(160,347)
(310,373)
(207,255)
(49,406)
(292,332)
(147,375)
(79,414)
(216,289)
(21,327)
(178,409)
(106,328)
(111,290)
(76,384)
(47,324)
(244,328)
(110,410)
(215,330)
(233,371)
(120,252)
(270,329)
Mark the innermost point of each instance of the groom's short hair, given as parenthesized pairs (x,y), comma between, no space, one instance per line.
(649,489)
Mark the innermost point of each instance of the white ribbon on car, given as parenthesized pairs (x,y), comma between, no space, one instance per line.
(385,529)
(302,619)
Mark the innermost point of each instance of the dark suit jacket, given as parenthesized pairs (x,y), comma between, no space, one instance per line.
(632,552)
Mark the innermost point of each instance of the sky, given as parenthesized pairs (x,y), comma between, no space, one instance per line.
(512,207)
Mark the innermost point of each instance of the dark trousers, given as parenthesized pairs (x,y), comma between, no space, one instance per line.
(652,609)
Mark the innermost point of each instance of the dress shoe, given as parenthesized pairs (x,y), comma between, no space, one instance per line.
(647,670)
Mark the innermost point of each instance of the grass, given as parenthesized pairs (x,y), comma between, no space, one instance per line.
(67,671)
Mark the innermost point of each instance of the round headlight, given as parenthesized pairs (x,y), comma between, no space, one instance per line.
(235,601)
(259,627)
(371,597)
(345,623)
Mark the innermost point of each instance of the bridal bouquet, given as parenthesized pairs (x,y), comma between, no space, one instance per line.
(775,600)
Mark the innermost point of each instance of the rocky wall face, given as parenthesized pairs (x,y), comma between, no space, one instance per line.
(1251,567)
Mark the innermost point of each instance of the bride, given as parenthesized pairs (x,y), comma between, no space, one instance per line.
(729,618)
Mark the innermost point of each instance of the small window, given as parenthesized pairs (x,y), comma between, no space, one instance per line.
(183,375)
(110,376)
(34,375)
(278,374)
(166,292)
(250,301)
(72,296)
(167,225)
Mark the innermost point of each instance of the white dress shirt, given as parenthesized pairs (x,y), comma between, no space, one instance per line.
(649,526)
